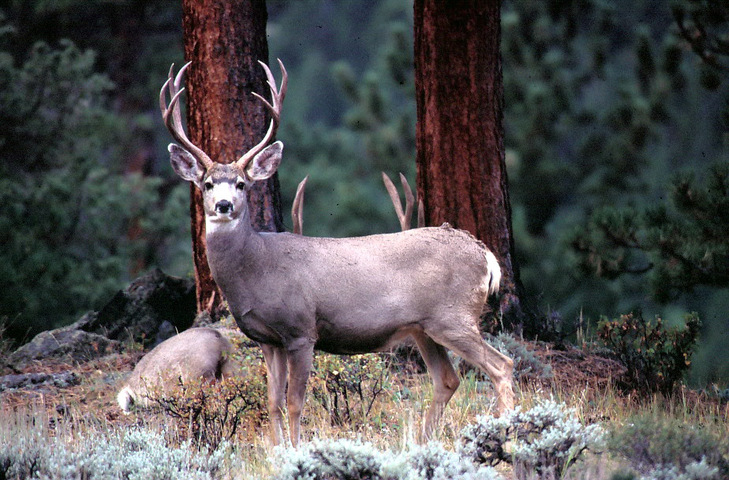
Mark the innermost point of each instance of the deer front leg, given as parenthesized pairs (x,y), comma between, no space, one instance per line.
(277,369)
(300,361)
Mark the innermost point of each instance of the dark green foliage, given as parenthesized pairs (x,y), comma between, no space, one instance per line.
(598,101)
(704,24)
(656,358)
(70,222)
(651,441)
(347,117)
(603,106)
(683,244)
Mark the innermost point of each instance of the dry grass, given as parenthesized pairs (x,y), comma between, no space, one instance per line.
(582,381)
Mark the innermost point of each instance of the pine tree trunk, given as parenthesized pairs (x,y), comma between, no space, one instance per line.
(224,39)
(461,173)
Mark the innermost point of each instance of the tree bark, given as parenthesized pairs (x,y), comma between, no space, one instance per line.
(224,39)
(461,172)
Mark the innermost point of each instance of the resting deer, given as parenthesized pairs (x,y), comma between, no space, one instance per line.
(293,294)
(197,353)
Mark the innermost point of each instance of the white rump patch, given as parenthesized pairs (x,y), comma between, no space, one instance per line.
(492,280)
(126,398)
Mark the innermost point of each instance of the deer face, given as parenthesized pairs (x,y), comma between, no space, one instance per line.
(224,186)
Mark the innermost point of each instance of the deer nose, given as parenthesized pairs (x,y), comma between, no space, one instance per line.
(224,207)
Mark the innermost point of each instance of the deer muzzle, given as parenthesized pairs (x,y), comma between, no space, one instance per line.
(224,207)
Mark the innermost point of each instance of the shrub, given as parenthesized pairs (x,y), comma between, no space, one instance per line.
(433,462)
(693,471)
(336,459)
(527,367)
(655,358)
(137,454)
(346,459)
(545,440)
(348,387)
(654,444)
(209,413)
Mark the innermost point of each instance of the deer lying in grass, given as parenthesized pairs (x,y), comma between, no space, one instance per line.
(293,294)
(191,355)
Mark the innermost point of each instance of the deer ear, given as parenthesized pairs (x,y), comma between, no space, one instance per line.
(264,164)
(184,164)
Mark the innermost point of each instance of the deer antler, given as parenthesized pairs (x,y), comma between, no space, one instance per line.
(406,216)
(297,209)
(277,97)
(172,117)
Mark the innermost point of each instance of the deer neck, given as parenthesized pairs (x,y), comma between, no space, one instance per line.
(224,237)
(233,248)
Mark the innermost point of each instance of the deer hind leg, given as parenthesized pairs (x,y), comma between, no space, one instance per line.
(276,379)
(469,345)
(445,380)
(300,363)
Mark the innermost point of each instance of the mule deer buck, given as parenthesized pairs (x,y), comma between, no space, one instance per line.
(197,353)
(293,294)
(193,354)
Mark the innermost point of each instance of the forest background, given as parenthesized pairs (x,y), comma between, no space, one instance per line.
(616,134)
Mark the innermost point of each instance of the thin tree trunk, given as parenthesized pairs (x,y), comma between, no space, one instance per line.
(224,39)
(461,173)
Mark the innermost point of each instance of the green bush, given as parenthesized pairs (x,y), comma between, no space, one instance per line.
(348,387)
(433,462)
(527,367)
(661,447)
(544,440)
(656,358)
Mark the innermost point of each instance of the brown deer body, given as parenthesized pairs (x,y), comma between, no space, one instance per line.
(197,353)
(293,294)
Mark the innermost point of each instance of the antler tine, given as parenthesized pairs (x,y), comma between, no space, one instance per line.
(173,118)
(297,209)
(409,199)
(395,198)
(277,98)
(421,214)
(277,95)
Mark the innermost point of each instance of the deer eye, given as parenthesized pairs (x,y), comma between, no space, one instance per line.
(208,186)
(240,186)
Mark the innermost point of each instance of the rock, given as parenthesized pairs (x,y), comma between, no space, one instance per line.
(34,380)
(64,343)
(137,312)
(153,308)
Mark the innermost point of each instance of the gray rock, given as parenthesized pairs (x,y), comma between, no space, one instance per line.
(35,380)
(153,307)
(137,312)
(64,343)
